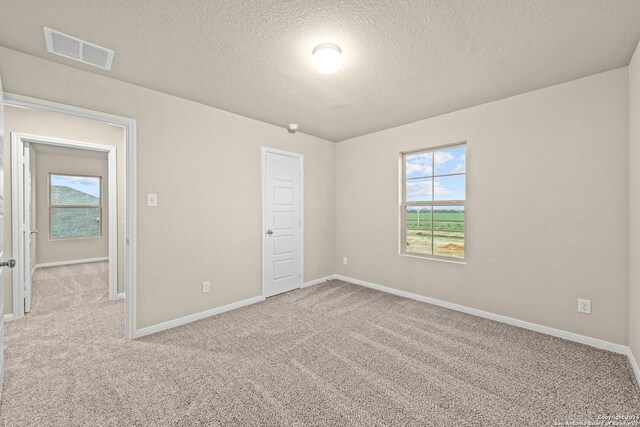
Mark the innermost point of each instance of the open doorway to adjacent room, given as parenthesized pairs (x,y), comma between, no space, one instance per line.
(68,199)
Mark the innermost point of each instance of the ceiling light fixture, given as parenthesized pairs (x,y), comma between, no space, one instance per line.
(327,58)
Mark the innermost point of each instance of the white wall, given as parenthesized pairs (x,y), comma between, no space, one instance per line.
(204,164)
(634,204)
(547,208)
(44,123)
(60,250)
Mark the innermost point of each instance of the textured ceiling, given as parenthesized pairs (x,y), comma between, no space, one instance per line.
(403,60)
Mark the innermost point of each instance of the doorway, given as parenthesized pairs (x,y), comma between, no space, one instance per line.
(129,191)
(72,209)
(282,224)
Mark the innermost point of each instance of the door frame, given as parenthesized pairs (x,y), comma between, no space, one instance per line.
(130,126)
(300,158)
(3,249)
(18,230)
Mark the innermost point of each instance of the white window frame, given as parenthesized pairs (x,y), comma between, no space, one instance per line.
(52,206)
(405,204)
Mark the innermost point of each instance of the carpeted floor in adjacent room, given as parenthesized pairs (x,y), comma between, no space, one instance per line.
(332,354)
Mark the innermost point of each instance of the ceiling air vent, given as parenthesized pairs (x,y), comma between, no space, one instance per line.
(80,50)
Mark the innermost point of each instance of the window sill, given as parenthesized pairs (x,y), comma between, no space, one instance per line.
(63,239)
(435,258)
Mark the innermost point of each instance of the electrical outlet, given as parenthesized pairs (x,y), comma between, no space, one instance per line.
(206,287)
(152,200)
(584,306)
(344,260)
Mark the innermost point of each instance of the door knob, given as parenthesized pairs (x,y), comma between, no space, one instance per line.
(269,232)
(34,231)
(11,263)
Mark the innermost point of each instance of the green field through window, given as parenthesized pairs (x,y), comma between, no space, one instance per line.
(433,202)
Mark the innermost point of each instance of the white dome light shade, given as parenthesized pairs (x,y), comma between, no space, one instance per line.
(327,58)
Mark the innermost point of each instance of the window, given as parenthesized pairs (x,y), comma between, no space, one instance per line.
(433,202)
(75,206)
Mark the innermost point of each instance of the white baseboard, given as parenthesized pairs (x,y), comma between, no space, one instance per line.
(75,261)
(582,339)
(317,281)
(8,317)
(120,296)
(196,316)
(634,364)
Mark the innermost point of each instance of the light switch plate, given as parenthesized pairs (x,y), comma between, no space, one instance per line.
(206,287)
(152,200)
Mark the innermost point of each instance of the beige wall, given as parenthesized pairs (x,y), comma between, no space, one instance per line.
(547,207)
(55,125)
(59,250)
(547,199)
(634,204)
(204,164)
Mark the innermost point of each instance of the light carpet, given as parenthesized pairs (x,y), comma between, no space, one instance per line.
(332,354)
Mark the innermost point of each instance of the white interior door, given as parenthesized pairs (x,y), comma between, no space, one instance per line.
(282,238)
(10,263)
(2,269)
(26,227)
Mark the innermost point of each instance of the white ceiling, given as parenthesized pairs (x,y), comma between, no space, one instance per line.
(403,60)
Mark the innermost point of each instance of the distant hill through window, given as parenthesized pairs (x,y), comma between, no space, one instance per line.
(74,213)
(63,195)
